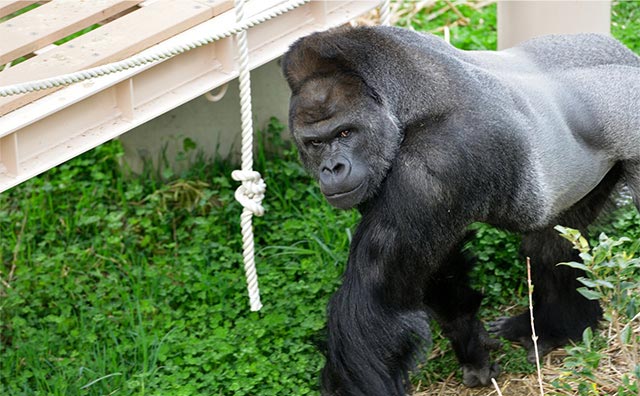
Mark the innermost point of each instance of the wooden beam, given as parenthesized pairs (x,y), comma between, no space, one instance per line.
(114,41)
(44,25)
(73,120)
(8,7)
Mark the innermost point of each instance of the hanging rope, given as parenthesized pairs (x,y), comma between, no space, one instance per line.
(251,192)
(385,13)
(147,56)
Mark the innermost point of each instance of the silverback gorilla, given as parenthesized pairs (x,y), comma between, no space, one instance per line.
(424,139)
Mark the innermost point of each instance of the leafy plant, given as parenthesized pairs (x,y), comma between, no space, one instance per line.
(613,277)
(498,272)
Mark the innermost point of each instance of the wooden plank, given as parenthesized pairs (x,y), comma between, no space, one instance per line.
(9,153)
(117,40)
(42,26)
(87,121)
(10,6)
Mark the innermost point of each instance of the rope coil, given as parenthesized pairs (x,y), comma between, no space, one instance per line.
(251,192)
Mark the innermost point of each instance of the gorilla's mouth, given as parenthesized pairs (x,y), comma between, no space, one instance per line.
(343,193)
(347,199)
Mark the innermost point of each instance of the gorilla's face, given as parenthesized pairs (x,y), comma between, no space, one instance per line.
(346,139)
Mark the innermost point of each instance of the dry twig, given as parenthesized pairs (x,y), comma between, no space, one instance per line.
(534,337)
(495,385)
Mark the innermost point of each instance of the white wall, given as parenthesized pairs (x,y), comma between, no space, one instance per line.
(214,126)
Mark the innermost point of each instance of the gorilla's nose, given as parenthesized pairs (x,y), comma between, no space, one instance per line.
(334,172)
(334,168)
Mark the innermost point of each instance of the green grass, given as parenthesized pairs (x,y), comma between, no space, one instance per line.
(131,285)
(123,283)
(20,12)
(477,31)
(625,23)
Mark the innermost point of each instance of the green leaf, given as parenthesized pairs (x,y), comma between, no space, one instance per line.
(188,144)
(574,264)
(625,334)
(586,257)
(620,241)
(604,283)
(583,244)
(587,282)
(561,229)
(590,294)
(587,337)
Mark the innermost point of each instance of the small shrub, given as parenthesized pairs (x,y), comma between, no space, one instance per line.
(613,277)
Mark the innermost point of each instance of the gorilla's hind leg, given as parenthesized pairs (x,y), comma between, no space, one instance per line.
(632,176)
(561,313)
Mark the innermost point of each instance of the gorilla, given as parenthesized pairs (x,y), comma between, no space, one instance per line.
(425,139)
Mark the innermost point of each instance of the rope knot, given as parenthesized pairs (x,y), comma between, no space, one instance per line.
(251,192)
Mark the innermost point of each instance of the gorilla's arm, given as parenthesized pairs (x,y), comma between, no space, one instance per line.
(377,325)
(371,344)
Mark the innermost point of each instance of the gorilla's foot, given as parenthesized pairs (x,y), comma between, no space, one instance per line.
(518,329)
(473,376)
(512,328)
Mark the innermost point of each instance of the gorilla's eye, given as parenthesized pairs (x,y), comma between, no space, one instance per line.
(315,143)
(345,133)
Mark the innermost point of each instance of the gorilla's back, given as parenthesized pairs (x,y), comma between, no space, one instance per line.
(564,52)
(562,94)
(578,101)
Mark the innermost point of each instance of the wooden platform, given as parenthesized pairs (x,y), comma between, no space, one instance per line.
(42,129)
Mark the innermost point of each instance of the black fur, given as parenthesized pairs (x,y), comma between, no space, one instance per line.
(425,139)
(560,313)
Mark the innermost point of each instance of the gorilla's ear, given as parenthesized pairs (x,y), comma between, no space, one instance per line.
(318,54)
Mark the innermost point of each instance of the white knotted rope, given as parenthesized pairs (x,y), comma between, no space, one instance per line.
(251,192)
(385,13)
(147,56)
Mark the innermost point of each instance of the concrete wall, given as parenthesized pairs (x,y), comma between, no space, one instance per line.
(522,20)
(213,126)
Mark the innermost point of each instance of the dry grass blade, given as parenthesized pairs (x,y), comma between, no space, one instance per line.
(16,249)
(495,385)
(534,337)
(456,11)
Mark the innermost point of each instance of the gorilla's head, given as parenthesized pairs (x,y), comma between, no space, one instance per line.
(346,136)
